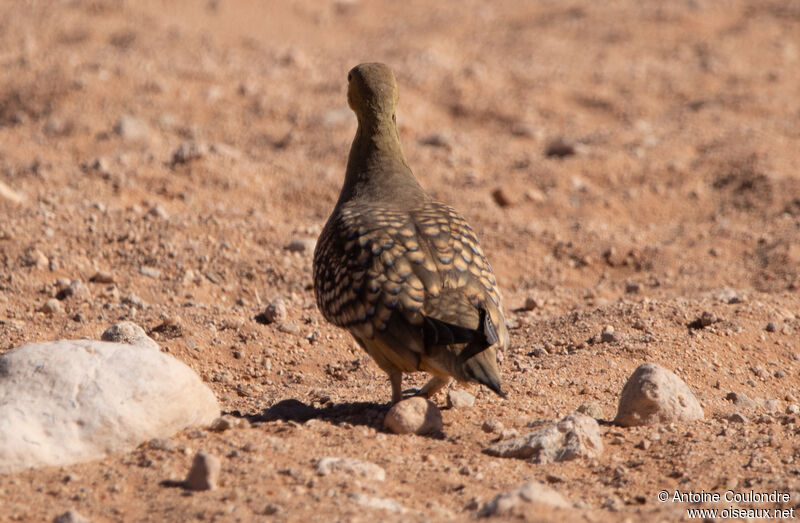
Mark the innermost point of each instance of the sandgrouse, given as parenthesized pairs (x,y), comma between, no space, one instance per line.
(402,272)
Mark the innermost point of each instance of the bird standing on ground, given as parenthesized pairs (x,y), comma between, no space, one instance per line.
(400,271)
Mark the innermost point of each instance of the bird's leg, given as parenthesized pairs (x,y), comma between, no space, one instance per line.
(396,379)
(433,386)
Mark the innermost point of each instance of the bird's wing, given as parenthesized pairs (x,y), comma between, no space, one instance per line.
(425,264)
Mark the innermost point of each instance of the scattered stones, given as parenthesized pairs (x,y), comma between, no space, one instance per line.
(655,395)
(52,306)
(223,423)
(608,335)
(773,406)
(559,148)
(492,426)
(387,504)
(132,129)
(736,418)
(134,300)
(531,303)
(575,436)
(632,287)
(158,211)
(150,272)
(204,474)
(523,130)
(502,198)
(771,327)
(70,516)
(459,399)
(704,320)
(728,296)
(301,245)
(593,410)
(188,152)
(75,400)
(437,140)
(528,498)
(35,258)
(102,277)
(352,467)
(741,400)
(76,289)
(415,415)
(130,333)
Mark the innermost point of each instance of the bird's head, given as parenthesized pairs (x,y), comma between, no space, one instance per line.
(372,91)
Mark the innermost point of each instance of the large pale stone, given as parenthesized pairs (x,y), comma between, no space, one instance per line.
(415,415)
(69,401)
(655,395)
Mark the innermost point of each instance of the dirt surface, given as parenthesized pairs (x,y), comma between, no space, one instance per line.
(631,164)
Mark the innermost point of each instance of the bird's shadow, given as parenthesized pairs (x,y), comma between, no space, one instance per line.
(363,413)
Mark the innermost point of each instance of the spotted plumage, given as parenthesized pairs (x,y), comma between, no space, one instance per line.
(403,273)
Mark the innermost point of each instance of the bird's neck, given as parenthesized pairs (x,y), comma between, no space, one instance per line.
(377,168)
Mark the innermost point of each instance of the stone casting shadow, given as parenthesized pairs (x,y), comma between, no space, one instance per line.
(364,413)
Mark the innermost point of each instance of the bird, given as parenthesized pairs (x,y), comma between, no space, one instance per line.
(402,272)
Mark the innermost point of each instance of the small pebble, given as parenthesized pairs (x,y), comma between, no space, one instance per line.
(102,277)
(608,335)
(459,398)
(301,245)
(70,516)
(772,327)
(559,148)
(275,311)
(492,426)
(52,306)
(204,474)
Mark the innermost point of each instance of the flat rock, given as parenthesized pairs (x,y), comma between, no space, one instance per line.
(351,467)
(415,415)
(70,401)
(528,498)
(129,333)
(654,395)
(575,436)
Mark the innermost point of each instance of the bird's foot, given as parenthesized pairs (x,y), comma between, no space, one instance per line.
(413,391)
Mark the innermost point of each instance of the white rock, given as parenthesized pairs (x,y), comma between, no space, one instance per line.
(69,401)
(575,436)
(655,395)
(414,415)
(129,333)
(351,466)
(525,499)
(459,399)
